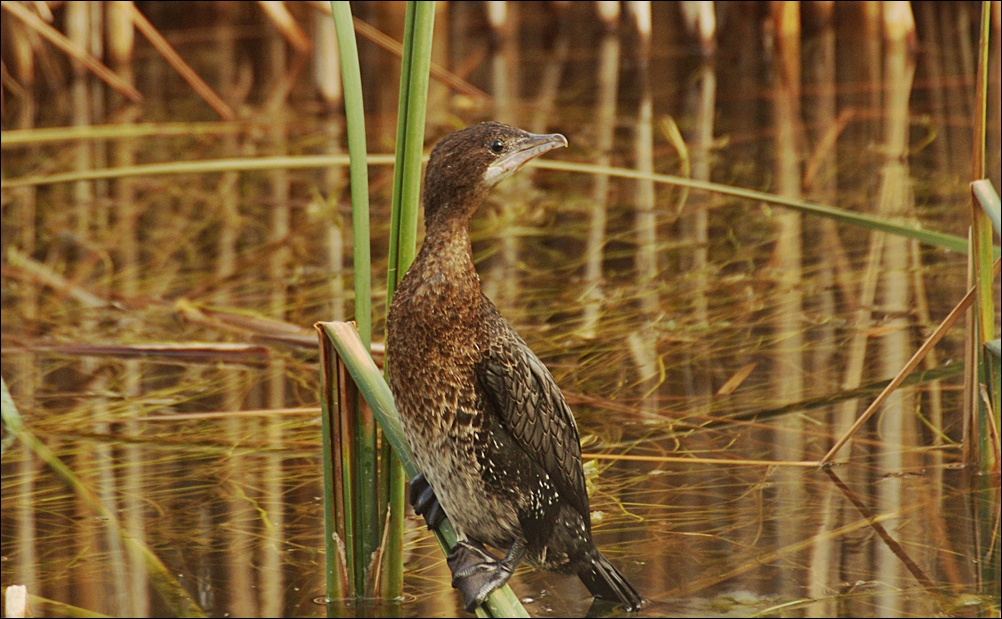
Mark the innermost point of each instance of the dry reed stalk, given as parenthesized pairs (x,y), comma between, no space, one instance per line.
(16,601)
(931,341)
(253,412)
(957,103)
(645,222)
(701,23)
(285,23)
(183,69)
(502,280)
(237,557)
(965,49)
(889,542)
(732,383)
(820,179)
(605,128)
(549,82)
(15,138)
(327,78)
(694,221)
(75,50)
(932,50)
(821,183)
(121,42)
(24,202)
(788,252)
(787,376)
(393,46)
(896,427)
(272,578)
(934,400)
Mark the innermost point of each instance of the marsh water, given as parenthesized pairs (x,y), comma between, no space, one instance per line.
(711,347)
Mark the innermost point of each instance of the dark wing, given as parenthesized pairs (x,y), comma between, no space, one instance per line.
(522,391)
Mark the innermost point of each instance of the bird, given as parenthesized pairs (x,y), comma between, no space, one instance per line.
(495,442)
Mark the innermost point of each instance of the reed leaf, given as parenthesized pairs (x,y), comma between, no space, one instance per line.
(990,202)
(15,138)
(358,166)
(373,388)
(929,237)
(208,166)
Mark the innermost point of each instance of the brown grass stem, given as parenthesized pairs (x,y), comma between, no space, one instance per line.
(286,24)
(174,59)
(920,354)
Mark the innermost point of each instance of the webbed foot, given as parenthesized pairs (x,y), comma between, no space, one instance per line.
(424,501)
(476,573)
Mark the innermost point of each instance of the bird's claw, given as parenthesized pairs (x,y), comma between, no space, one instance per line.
(424,501)
(476,573)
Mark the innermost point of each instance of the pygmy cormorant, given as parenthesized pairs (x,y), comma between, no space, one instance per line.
(495,441)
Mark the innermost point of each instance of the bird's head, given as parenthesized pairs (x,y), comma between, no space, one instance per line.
(466,164)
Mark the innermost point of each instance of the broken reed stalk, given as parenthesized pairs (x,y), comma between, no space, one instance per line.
(340,347)
(933,339)
(357,484)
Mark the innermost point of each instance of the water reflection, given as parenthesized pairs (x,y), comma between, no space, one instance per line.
(668,319)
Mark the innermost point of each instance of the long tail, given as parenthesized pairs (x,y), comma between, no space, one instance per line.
(605,581)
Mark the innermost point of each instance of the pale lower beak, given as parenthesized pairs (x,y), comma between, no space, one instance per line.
(530,147)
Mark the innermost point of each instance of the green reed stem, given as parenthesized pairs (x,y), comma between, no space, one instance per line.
(981,257)
(414,77)
(415,69)
(367,529)
(162,579)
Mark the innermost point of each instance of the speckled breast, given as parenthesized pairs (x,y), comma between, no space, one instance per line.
(432,353)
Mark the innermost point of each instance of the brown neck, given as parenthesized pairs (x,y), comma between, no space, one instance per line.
(446,251)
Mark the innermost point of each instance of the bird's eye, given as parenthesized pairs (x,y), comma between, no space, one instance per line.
(497,146)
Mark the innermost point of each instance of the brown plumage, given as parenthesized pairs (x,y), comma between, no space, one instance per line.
(495,441)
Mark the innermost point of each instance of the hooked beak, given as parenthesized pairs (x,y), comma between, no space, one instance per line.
(528,148)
